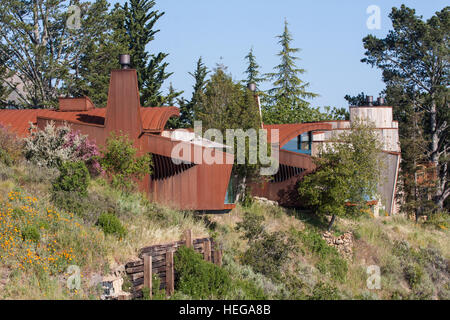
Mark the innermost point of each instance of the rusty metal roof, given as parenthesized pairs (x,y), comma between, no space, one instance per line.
(153,119)
(291,130)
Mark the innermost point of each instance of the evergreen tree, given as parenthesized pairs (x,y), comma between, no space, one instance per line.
(101,55)
(359,100)
(414,195)
(188,107)
(229,105)
(415,56)
(140,22)
(252,72)
(286,102)
(39,49)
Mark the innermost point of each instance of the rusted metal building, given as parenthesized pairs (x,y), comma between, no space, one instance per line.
(191,185)
(186,181)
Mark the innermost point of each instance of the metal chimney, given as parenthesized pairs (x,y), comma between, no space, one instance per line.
(251,86)
(125,61)
(369,100)
(380,101)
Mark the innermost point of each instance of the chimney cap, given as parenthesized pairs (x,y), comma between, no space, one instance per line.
(251,86)
(125,61)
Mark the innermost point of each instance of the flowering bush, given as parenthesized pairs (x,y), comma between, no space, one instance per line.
(54,145)
(28,235)
(10,146)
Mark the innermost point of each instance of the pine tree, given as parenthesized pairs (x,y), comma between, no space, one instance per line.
(252,72)
(286,102)
(101,55)
(414,55)
(140,22)
(188,108)
(229,105)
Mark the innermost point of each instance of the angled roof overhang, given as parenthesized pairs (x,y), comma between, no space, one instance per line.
(289,131)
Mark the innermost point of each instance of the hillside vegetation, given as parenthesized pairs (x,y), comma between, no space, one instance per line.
(269,252)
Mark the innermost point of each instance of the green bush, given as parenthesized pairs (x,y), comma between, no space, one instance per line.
(268,254)
(251,225)
(110,224)
(90,207)
(414,274)
(31,233)
(314,242)
(248,290)
(120,163)
(157,293)
(198,278)
(323,291)
(73,177)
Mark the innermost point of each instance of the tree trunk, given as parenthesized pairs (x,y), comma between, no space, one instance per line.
(439,193)
(240,189)
(330,225)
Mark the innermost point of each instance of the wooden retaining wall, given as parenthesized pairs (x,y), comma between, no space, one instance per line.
(158,259)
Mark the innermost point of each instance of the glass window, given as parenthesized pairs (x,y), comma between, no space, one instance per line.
(304,141)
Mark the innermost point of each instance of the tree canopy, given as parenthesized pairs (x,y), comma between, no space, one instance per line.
(414,58)
(347,172)
(285,101)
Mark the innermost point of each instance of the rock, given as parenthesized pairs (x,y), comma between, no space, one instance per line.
(112,288)
(265,201)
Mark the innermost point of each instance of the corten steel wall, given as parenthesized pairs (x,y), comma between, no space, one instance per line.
(285,192)
(200,187)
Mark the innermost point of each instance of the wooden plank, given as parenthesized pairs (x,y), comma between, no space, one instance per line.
(218,257)
(155,265)
(200,240)
(188,238)
(169,273)
(148,274)
(207,250)
(134,263)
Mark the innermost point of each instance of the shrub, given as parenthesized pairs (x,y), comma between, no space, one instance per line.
(10,147)
(198,278)
(157,293)
(121,164)
(251,225)
(110,224)
(314,242)
(54,145)
(31,233)
(440,220)
(73,177)
(414,274)
(90,207)
(268,254)
(323,291)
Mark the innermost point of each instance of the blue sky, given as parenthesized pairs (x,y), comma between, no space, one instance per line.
(329,33)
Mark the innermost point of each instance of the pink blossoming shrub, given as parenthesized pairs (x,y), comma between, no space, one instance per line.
(53,145)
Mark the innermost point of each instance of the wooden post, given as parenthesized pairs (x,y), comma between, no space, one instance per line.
(169,273)
(207,250)
(188,236)
(218,257)
(148,273)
